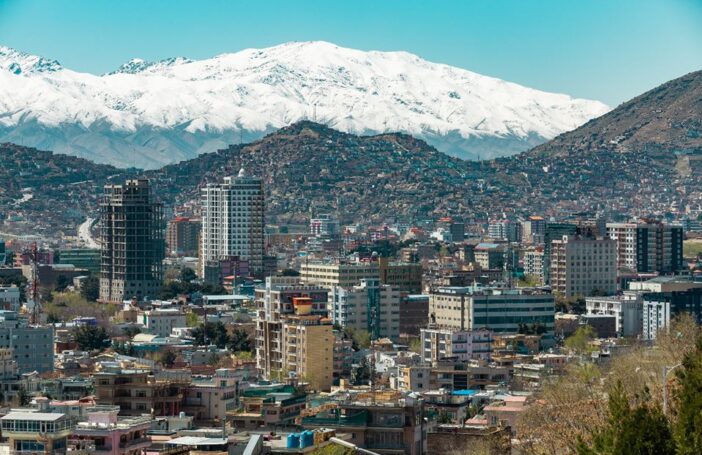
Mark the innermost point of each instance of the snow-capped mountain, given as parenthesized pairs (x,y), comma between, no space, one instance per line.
(147,114)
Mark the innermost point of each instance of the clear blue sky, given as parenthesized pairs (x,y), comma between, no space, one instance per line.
(609,50)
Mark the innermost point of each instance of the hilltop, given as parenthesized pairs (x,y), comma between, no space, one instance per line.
(664,120)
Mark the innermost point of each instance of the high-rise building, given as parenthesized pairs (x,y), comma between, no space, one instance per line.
(534,263)
(554,231)
(183,236)
(508,230)
(233,221)
(583,266)
(533,229)
(648,247)
(293,334)
(132,244)
(660,307)
(369,306)
(490,255)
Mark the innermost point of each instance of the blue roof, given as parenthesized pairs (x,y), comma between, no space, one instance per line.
(465,393)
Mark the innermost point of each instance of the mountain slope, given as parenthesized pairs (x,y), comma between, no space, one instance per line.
(147,114)
(665,119)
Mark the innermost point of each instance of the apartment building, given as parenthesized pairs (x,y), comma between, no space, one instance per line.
(534,263)
(183,236)
(337,274)
(32,346)
(233,221)
(533,230)
(104,432)
(162,321)
(660,307)
(405,276)
(507,230)
(293,333)
(647,247)
(10,298)
(210,398)
(138,392)
(583,266)
(626,308)
(490,255)
(461,345)
(368,306)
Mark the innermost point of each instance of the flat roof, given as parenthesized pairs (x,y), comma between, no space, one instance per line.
(28,415)
(196,441)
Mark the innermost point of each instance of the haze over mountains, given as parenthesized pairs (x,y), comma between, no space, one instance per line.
(148,114)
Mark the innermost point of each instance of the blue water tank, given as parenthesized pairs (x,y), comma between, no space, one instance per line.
(293,441)
(306,439)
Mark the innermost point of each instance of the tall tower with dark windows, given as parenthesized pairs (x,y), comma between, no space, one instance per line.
(132,242)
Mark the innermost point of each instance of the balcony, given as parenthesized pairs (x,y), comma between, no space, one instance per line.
(133,443)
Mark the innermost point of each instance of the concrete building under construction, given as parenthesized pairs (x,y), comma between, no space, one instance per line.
(132,242)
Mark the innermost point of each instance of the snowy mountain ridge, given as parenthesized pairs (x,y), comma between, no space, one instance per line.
(147,114)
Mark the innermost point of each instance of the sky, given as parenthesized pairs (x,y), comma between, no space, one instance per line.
(609,50)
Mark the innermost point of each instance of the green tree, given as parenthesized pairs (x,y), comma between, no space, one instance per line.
(290,272)
(90,289)
(187,275)
(192,320)
(579,342)
(688,395)
(361,338)
(529,281)
(124,348)
(91,338)
(211,333)
(18,280)
(360,374)
(167,358)
(239,341)
(62,282)
(22,396)
(131,331)
(641,429)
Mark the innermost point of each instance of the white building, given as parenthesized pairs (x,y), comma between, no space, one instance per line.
(583,266)
(10,298)
(324,226)
(344,274)
(464,345)
(502,311)
(161,322)
(625,236)
(627,310)
(534,263)
(508,230)
(656,315)
(369,306)
(233,221)
(212,397)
